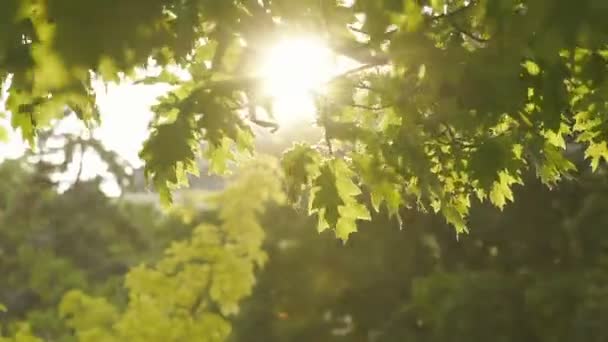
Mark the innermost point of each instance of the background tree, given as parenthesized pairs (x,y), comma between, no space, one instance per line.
(80,239)
(535,272)
(192,291)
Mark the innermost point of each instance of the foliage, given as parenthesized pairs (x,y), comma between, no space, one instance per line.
(534,272)
(190,293)
(80,239)
(452,101)
(24,334)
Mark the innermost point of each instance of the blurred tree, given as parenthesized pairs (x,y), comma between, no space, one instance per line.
(64,153)
(196,287)
(80,239)
(536,272)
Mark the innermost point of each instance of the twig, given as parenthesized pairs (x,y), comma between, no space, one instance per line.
(366,87)
(469,34)
(200,299)
(80,165)
(356,105)
(356,71)
(328,142)
(358,30)
(359,52)
(453,139)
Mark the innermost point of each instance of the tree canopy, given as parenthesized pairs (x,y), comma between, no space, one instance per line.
(451,100)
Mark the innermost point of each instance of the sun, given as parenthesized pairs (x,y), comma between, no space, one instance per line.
(293,69)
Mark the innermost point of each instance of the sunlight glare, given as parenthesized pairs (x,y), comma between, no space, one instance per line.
(125,109)
(292,70)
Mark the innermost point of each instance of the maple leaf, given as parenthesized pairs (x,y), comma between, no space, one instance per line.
(501,190)
(334,200)
(597,151)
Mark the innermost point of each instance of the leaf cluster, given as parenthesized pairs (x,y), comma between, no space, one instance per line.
(452,100)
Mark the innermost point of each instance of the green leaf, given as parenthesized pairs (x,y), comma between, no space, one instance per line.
(23,122)
(596,152)
(556,138)
(300,166)
(501,190)
(167,165)
(325,197)
(554,166)
(219,157)
(384,184)
(165,77)
(489,158)
(333,199)
(349,214)
(3,134)
(531,67)
(414,16)
(455,218)
(437,5)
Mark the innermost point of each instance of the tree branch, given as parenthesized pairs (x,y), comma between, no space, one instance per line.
(368,88)
(374,108)
(435,17)
(356,70)
(80,165)
(469,34)
(358,51)
(200,298)
(453,139)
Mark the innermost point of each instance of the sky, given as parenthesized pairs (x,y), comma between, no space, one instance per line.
(125,112)
(291,69)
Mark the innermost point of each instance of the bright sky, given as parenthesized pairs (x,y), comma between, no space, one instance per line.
(292,69)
